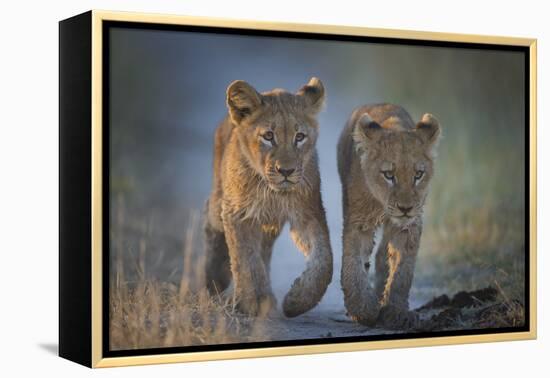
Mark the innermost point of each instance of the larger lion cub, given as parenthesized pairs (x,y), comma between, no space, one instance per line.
(386,162)
(266,174)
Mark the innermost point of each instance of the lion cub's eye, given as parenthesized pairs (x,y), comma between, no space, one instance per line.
(418,176)
(268,135)
(300,137)
(388,175)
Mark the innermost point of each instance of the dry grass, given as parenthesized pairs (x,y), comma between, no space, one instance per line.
(147,313)
(507,313)
(154,315)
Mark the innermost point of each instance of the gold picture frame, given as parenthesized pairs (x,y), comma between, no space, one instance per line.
(92,325)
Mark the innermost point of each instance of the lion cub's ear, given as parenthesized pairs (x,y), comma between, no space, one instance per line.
(429,130)
(242,100)
(365,131)
(314,95)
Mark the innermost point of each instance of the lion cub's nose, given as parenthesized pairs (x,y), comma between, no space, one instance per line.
(403,209)
(285,172)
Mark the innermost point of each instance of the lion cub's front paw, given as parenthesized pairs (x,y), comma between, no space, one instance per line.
(392,317)
(255,306)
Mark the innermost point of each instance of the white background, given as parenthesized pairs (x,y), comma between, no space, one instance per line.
(29,185)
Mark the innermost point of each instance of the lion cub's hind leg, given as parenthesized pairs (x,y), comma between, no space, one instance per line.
(270,234)
(382,268)
(395,271)
(217,269)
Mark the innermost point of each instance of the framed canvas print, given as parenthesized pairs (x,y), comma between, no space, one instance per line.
(235,189)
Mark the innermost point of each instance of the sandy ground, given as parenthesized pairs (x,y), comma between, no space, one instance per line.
(318,323)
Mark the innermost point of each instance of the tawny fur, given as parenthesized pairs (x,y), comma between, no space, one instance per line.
(251,200)
(377,139)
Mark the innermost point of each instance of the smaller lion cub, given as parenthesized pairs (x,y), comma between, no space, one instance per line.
(266,173)
(386,163)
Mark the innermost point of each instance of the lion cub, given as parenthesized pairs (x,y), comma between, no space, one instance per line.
(385,163)
(266,174)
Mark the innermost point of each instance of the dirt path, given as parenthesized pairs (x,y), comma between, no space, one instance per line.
(318,323)
(465,310)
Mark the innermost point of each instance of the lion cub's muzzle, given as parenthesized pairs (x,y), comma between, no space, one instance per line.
(401,214)
(284,177)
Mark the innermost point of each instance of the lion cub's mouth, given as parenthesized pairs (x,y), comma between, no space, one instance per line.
(403,219)
(283,185)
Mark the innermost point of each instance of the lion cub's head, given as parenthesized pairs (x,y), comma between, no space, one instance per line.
(277,130)
(398,163)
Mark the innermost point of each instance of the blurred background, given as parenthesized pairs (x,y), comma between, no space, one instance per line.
(167,96)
